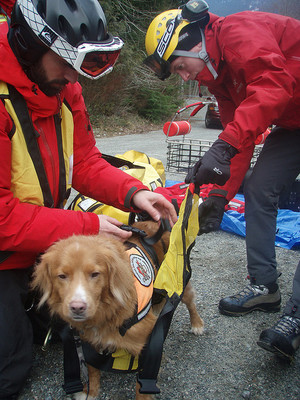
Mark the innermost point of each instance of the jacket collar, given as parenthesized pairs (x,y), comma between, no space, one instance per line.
(213,50)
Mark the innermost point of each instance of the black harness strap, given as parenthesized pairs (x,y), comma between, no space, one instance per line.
(72,379)
(30,135)
(148,242)
(150,358)
(164,226)
(13,129)
(62,167)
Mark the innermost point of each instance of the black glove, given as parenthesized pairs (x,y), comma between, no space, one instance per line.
(210,213)
(214,167)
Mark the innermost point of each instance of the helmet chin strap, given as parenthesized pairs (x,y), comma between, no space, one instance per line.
(202,55)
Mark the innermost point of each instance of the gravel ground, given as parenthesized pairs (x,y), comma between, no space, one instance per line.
(225,362)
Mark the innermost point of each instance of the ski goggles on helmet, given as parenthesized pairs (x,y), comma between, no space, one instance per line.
(159,66)
(96,60)
(155,61)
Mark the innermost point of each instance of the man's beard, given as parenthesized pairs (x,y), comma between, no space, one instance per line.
(37,74)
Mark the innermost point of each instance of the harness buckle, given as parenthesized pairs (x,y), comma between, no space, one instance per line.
(148,386)
(132,229)
(73,387)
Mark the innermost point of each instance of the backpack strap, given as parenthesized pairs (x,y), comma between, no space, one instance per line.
(3,15)
(62,166)
(13,129)
(30,136)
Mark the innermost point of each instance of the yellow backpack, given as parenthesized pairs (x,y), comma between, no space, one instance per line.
(148,170)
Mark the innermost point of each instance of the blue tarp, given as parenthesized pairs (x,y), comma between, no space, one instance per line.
(288,227)
(287,232)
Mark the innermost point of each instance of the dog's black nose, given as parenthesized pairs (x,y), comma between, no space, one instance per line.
(78,307)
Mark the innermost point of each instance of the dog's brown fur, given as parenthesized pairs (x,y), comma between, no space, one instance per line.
(88,282)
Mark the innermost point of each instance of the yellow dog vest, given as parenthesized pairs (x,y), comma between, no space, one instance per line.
(144,274)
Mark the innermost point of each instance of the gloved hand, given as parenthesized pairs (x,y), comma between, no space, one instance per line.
(210,213)
(214,167)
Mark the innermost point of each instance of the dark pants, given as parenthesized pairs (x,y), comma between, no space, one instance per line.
(16,331)
(275,171)
(16,335)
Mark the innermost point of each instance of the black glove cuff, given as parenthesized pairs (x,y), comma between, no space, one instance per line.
(219,201)
(228,148)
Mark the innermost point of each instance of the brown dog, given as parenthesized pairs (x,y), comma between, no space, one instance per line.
(88,281)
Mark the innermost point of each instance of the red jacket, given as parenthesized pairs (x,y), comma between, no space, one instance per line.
(28,229)
(7,6)
(257,58)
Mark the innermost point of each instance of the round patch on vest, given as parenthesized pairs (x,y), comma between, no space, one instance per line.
(142,269)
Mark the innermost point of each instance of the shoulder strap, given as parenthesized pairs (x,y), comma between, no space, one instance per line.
(62,167)
(30,136)
(3,15)
(13,129)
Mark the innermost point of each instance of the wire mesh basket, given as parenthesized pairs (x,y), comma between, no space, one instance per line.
(183,153)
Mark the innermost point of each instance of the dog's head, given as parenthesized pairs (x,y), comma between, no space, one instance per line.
(82,276)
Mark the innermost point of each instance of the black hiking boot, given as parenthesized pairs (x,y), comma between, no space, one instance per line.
(283,339)
(252,297)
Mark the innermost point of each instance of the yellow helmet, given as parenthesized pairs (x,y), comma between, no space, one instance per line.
(174,30)
(158,27)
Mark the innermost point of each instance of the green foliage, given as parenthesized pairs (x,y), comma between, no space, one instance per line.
(155,105)
(130,88)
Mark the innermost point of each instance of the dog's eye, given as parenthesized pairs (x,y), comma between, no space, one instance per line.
(95,274)
(62,276)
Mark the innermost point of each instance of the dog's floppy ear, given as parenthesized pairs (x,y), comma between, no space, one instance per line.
(42,281)
(120,279)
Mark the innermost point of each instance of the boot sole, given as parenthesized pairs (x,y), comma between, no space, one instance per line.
(247,311)
(275,350)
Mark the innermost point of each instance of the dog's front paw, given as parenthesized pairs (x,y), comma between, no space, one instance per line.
(197,325)
(197,330)
(82,396)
